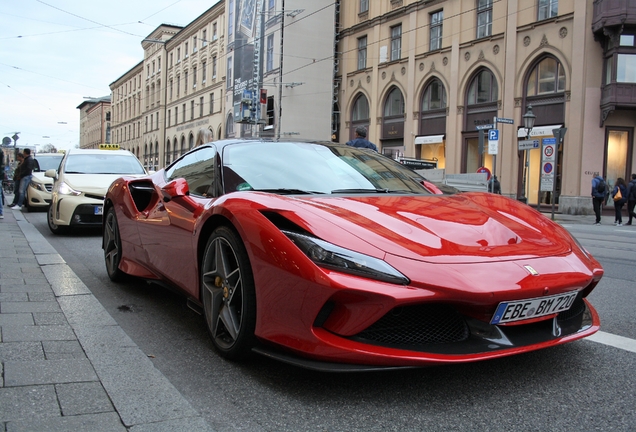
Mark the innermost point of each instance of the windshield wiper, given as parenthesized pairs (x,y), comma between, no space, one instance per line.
(287,191)
(377,190)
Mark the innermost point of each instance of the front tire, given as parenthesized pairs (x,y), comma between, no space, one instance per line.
(112,247)
(55,229)
(228,294)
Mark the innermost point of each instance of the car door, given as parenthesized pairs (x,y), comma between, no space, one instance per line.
(167,228)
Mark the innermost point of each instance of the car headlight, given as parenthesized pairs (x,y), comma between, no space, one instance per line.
(65,189)
(37,186)
(334,257)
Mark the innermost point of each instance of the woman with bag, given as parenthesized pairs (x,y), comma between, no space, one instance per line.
(619,194)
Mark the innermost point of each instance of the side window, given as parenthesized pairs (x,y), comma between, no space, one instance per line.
(198,169)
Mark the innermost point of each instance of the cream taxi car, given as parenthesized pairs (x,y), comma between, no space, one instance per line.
(80,183)
(38,194)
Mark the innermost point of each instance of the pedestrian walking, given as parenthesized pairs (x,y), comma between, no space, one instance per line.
(361,140)
(16,178)
(631,199)
(599,188)
(26,174)
(619,194)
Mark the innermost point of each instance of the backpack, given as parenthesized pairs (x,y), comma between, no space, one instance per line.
(600,187)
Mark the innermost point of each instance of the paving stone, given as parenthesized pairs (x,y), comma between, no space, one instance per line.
(13,351)
(13,296)
(41,296)
(104,422)
(48,259)
(83,398)
(17,307)
(16,319)
(140,393)
(21,287)
(37,333)
(85,310)
(49,318)
(58,350)
(28,402)
(64,281)
(196,424)
(40,372)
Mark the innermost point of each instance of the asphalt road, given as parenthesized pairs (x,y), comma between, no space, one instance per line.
(582,386)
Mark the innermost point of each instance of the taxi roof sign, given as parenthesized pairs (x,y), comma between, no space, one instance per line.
(109,146)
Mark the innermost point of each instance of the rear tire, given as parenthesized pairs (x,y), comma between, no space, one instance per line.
(112,247)
(228,294)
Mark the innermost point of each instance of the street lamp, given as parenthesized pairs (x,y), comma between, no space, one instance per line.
(528,123)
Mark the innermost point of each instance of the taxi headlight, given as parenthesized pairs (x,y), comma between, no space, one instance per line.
(65,189)
(334,257)
(37,186)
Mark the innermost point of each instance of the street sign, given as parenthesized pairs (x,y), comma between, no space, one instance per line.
(504,120)
(548,163)
(484,170)
(528,144)
(493,135)
(493,141)
(485,126)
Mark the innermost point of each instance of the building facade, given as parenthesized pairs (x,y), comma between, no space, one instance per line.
(95,122)
(425,76)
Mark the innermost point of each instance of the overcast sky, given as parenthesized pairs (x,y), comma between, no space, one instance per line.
(56,53)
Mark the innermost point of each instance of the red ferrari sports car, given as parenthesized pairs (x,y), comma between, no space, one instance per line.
(338,258)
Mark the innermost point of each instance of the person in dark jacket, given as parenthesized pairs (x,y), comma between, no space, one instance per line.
(631,199)
(361,140)
(598,197)
(619,202)
(26,174)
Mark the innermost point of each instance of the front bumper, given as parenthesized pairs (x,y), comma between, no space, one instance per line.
(78,211)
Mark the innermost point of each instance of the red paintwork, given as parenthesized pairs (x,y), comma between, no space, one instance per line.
(467,250)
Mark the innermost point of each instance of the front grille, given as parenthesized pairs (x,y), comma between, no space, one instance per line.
(97,197)
(577,308)
(410,326)
(48,187)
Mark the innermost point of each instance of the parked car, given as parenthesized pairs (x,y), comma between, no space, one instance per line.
(39,190)
(333,257)
(81,182)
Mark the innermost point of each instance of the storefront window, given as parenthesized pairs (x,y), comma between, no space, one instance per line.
(617,149)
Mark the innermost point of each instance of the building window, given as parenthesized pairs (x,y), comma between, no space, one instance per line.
(201,106)
(194,77)
(434,97)
(183,113)
(626,68)
(229,78)
(211,103)
(547,77)
(185,52)
(171,84)
(396,42)
(168,118)
(171,57)
(269,62)
(364,6)
(214,67)
(436,31)
(178,84)
(153,67)
(204,38)
(178,55)
(362,53)
(176,115)
(230,18)
(484,18)
(185,82)
(158,64)
(148,71)
(548,9)
(483,89)
(214,34)
(204,72)
(194,44)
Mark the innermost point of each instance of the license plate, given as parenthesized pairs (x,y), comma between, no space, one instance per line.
(532,308)
(98,210)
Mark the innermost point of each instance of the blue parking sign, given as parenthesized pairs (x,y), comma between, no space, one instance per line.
(493,135)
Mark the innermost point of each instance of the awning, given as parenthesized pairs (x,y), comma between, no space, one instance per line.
(538,131)
(429,139)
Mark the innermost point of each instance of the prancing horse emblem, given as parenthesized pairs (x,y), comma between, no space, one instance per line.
(532,271)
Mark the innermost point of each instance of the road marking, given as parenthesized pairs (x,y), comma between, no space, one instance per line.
(616,341)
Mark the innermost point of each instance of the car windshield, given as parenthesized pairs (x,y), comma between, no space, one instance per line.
(102,164)
(296,168)
(48,162)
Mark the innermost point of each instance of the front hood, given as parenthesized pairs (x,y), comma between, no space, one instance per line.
(92,183)
(469,227)
(40,178)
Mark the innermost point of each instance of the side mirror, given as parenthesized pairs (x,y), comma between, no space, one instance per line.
(175,189)
(51,173)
